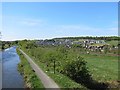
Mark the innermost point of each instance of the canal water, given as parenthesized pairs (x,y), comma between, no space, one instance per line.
(11,78)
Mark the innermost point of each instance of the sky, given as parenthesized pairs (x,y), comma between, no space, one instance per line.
(45,20)
(60,0)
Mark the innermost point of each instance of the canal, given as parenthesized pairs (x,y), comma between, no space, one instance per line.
(11,78)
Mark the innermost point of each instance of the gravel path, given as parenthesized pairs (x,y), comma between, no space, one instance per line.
(45,79)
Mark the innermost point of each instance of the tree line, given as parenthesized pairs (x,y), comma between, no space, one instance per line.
(106,38)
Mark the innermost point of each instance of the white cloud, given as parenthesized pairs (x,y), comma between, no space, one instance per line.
(8,37)
(76,28)
(62,31)
(32,22)
(30,28)
(113,29)
(85,30)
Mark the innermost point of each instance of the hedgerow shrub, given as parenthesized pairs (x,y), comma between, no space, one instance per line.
(77,70)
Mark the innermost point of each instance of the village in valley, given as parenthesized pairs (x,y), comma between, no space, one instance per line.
(90,45)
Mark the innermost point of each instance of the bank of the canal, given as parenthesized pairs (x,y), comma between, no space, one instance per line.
(11,78)
(31,80)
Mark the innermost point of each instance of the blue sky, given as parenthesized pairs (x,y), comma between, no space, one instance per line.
(49,20)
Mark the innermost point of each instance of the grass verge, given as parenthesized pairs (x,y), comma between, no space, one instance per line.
(63,81)
(30,78)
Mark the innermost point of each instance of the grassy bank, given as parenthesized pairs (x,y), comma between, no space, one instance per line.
(30,78)
(62,80)
(103,68)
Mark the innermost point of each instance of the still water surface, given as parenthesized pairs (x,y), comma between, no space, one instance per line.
(11,77)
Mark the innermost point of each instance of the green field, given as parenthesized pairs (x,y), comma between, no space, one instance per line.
(62,80)
(102,68)
(113,42)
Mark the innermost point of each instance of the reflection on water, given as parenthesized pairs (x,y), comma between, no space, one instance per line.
(11,77)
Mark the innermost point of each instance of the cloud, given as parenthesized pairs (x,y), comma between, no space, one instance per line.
(113,29)
(76,28)
(32,22)
(60,31)
(9,37)
(30,28)
(79,30)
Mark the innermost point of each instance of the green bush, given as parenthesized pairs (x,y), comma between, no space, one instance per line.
(77,70)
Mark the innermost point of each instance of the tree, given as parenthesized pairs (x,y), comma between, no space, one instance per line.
(51,59)
(77,70)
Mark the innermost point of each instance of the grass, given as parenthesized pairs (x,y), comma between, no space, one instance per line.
(62,80)
(97,44)
(30,78)
(113,42)
(103,68)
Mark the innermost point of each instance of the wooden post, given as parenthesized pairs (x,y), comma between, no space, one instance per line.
(54,66)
